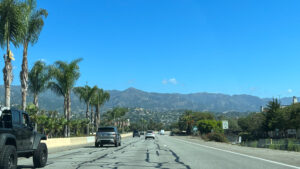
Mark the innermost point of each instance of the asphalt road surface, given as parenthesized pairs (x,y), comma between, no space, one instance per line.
(163,152)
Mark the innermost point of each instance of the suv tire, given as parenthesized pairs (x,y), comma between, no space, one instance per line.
(96,144)
(8,157)
(116,144)
(40,156)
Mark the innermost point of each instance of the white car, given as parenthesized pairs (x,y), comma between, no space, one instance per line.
(150,134)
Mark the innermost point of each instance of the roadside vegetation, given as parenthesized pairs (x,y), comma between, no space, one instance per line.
(274,128)
(199,124)
(52,123)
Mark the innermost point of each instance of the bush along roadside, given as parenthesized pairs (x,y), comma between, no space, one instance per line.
(276,144)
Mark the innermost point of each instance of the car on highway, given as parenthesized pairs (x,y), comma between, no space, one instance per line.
(162,132)
(18,139)
(136,134)
(107,135)
(150,134)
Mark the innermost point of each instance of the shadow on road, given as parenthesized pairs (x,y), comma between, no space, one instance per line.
(24,166)
(105,146)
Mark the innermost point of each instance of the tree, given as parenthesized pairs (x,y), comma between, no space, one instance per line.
(98,100)
(271,114)
(11,31)
(33,24)
(208,126)
(252,125)
(64,77)
(294,116)
(189,119)
(186,121)
(38,78)
(114,115)
(85,94)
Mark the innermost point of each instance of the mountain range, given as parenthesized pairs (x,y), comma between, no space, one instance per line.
(159,102)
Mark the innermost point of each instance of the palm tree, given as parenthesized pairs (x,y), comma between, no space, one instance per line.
(99,99)
(33,25)
(38,78)
(85,94)
(11,31)
(64,77)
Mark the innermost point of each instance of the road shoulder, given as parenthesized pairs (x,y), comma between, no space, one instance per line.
(286,157)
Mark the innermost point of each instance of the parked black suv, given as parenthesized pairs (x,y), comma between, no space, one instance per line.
(18,139)
(108,135)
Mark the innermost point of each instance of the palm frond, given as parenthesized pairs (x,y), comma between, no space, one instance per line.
(56,88)
(65,74)
(38,77)
(12,27)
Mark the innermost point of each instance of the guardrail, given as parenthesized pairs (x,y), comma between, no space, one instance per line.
(73,141)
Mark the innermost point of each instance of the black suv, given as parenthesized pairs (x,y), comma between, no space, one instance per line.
(136,134)
(108,135)
(18,139)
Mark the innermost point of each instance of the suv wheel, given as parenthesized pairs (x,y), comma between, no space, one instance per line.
(96,144)
(116,144)
(8,157)
(40,156)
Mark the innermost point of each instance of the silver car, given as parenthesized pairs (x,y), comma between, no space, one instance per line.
(150,134)
(107,135)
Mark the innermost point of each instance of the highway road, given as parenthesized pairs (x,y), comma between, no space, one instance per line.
(163,152)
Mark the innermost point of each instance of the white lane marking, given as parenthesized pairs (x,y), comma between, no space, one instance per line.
(262,159)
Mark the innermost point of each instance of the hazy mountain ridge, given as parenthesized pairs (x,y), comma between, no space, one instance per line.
(159,102)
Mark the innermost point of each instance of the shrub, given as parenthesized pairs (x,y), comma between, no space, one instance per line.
(175,131)
(253,144)
(207,126)
(218,137)
(204,137)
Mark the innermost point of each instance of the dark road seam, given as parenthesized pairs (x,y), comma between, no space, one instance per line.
(177,159)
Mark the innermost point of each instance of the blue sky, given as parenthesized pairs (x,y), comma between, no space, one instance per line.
(171,46)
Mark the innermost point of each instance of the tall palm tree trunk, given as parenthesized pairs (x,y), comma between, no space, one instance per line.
(35,100)
(97,116)
(92,118)
(7,75)
(24,76)
(87,117)
(69,112)
(66,115)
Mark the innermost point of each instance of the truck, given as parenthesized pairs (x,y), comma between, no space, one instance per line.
(19,139)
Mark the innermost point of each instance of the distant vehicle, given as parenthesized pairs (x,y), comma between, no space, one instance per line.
(107,135)
(150,134)
(162,132)
(142,133)
(136,134)
(18,139)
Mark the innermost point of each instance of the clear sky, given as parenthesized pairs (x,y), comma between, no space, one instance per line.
(183,46)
